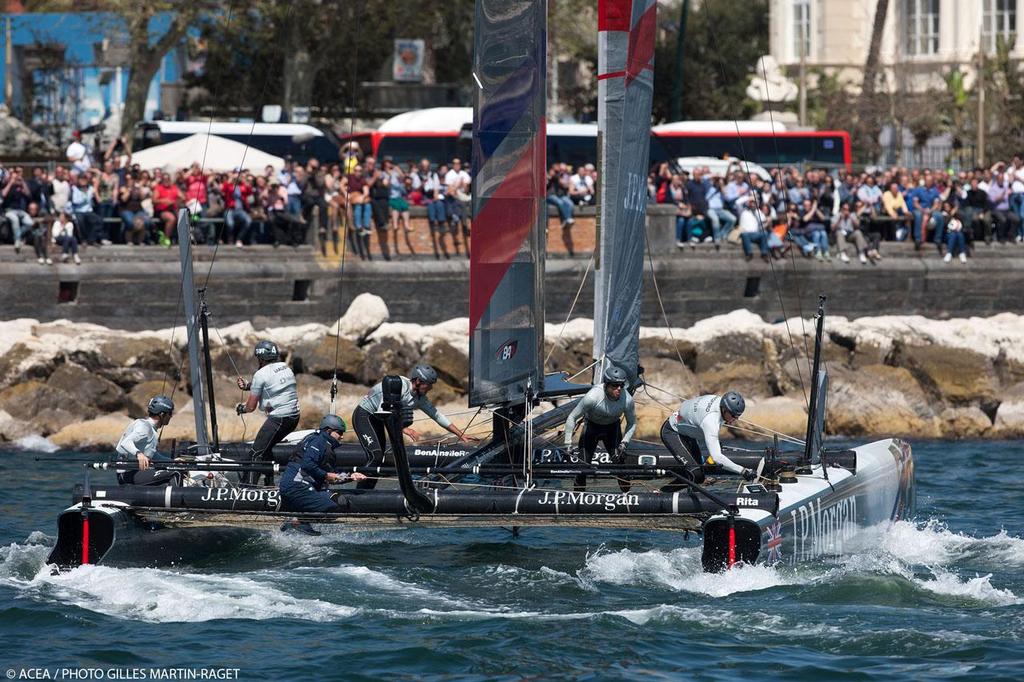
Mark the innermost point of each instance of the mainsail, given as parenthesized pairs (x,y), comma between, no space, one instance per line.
(506,302)
(625,88)
(192,312)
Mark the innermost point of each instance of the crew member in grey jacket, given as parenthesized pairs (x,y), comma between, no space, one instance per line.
(602,409)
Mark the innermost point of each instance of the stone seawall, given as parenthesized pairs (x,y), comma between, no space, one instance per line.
(136,288)
(78,384)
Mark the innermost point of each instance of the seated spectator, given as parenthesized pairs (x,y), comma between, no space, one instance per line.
(846,226)
(129,207)
(1005,221)
(581,186)
(40,235)
(16,198)
(974,213)
(63,231)
(166,202)
(955,242)
(89,223)
(895,207)
(722,221)
(558,195)
(753,226)
(812,231)
(237,193)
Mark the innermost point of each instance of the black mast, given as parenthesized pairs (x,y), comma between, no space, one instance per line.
(812,409)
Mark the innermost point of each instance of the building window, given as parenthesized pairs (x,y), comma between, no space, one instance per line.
(999,23)
(922,22)
(801,28)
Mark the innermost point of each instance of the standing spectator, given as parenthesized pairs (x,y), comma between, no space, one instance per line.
(107,183)
(379,190)
(350,157)
(78,154)
(166,202)
(64,236)
(61,190)
(357,195)
(457,188)
(40,190)
(16,198)
(82,196)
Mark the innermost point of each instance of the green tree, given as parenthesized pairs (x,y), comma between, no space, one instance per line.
(724,40)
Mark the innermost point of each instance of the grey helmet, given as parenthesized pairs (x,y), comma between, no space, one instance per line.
(333,422)
(424,373)
(266,350)
(614,375)
(160,404)
(734,402)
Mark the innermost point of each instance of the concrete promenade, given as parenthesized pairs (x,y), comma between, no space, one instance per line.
(137,287)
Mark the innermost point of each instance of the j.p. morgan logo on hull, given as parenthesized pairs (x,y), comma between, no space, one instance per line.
(506,351)
(607,501)
(269,497)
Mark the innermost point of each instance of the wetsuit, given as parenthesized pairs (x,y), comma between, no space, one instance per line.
(274,385)
(141,437)
(371,429)
(696,423)
(602,423)
(304,481)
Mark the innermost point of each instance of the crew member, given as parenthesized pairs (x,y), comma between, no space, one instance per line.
(368,420)
(139,441)
(273,390)
(695,425)
(602,409)
(310,470)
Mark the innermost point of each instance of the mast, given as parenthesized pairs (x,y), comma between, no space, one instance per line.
(192,325)
(506,292)
(819,387)
(625,89)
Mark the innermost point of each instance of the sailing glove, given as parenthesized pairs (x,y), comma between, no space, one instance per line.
(748,475)
(240,408)
(620,453)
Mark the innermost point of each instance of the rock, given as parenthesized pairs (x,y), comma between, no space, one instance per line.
(364,315)
(25,400)
(102,432)
(127,377)
(964,422)
(668,382)
(87,388)
(732,362)
(1009,418)
(959,376)
(51,420)
(12,428)
(22,362)
(878,400)
(388,356)
(318,358)
(452,365)
(663,347)
(148,353)
(138,398)
(231,360)
(784,414)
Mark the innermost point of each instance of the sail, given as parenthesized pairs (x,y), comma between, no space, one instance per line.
(506,303)
(188,295)
(626,30)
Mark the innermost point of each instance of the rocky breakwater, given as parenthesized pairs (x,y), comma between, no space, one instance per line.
(79,384)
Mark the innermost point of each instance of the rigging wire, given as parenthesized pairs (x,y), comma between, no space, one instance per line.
(345,223)
(757,201)
(661,305)
(571,308)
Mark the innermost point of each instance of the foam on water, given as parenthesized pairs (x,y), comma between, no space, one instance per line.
(379,580)
(931,543)
(680,570)
(36,443)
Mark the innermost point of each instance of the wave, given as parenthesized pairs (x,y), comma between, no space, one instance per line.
(36,443)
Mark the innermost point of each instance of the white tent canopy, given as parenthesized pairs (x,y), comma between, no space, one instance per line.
(213,153)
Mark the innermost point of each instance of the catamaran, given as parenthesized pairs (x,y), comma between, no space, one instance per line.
(804,504)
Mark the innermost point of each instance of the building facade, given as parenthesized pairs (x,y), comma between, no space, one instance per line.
(922,40)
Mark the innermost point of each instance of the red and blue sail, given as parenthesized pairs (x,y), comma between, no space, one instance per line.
(506,306)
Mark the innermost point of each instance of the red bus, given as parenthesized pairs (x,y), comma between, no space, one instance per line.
(442,134)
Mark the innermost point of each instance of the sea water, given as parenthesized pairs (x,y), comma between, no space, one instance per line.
(941,595)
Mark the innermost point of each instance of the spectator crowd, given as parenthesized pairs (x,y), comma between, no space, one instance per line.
(814,213)
(819,214)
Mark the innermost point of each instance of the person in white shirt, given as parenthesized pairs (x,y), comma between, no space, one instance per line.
(63,231)
(458,185)
(78,154)
(693,429)
(139,442)
(274,390)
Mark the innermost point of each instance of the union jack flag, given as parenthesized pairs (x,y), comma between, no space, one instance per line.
(774,543)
